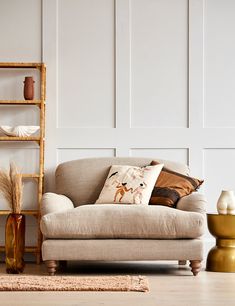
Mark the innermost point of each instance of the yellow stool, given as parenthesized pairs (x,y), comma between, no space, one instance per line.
(221,257)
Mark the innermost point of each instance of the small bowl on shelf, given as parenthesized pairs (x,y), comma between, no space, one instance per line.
(20,130)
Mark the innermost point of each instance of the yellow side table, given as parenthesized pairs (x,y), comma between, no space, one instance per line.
(221,257)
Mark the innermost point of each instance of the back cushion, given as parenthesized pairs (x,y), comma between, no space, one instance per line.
(82,180)
(171,186)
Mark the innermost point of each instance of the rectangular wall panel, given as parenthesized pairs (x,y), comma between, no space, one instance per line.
(86,63)
(159,63)
(219,63)
(219,174)
(72,154)
(20,29)
(178,155)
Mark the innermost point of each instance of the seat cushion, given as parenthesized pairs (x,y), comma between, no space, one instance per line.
(122,249)
(123,221)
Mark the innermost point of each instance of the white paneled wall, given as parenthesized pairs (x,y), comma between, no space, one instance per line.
(143,78)
(178,155)
(131,78)
(219,171)
(219,63)
(159,63)
(20,27)
(70,154)
(85,62)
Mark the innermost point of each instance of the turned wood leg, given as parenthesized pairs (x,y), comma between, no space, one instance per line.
(195,266)
(182,262)
(51,266)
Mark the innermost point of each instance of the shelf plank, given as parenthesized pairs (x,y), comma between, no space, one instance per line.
(21,102)
(28,249)
(14,138)
(24,212)
(21,65)
(30,175)
(31,249)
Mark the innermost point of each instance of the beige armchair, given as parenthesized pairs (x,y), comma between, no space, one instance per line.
(76,229)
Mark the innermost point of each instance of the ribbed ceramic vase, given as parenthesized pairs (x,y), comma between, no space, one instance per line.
(15,243)
(29,88)
(226,203)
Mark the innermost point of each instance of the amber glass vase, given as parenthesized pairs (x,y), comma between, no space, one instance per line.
(15,243)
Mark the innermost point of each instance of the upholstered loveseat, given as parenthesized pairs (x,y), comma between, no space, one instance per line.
(74,228)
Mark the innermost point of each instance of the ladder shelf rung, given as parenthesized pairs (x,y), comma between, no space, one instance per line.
(21,102)
(21,65)
(18,138)
(31,175)
(24,212)
(28,249)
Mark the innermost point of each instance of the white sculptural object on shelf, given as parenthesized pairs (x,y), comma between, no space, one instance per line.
(20,130)
(226,203)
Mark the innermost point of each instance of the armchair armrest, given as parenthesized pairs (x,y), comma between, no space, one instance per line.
(52,202)
(194,202)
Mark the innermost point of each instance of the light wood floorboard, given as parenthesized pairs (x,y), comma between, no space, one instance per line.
(170,285)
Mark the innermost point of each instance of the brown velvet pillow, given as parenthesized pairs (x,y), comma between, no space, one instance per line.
(171,186)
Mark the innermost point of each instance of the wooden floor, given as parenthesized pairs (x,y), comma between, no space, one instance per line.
(169,285)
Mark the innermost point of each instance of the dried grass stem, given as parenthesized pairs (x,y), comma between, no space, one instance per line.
(11,188)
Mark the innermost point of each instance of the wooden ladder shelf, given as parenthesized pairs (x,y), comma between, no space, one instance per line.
(40,140)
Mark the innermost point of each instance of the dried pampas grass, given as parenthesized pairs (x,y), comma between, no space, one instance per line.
(11,188)
(6,187)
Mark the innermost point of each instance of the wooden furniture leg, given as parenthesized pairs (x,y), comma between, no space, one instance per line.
(51,266)
(195,266)
(182,262)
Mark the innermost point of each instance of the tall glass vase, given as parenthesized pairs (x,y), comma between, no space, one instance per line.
(15,243)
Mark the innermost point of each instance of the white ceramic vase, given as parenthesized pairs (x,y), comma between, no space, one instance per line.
(226,203)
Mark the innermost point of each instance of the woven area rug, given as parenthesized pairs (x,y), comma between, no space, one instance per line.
(73,283)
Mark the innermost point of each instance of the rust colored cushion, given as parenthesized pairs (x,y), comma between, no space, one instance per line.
(171,186)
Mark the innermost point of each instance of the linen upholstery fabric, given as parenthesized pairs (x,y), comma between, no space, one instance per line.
(122,249)
(129,184)
(82,180)
(171,186)
(52,202)
(123,221)
(193,202)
